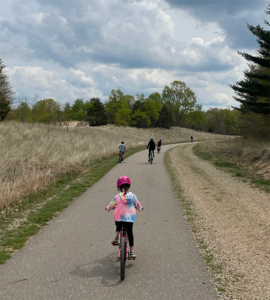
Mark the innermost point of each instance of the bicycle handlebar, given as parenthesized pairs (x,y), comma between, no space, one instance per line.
(114,208)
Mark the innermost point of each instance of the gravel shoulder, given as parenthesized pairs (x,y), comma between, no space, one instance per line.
(234,220)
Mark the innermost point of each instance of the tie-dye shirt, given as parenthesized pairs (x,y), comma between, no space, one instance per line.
(125,207)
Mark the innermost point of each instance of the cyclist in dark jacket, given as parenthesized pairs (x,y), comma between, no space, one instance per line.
(159,143)
(151,146)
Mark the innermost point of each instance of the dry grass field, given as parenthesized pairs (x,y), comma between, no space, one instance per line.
(31,155)
(253,156)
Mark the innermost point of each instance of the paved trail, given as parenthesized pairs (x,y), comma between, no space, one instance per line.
(72,257)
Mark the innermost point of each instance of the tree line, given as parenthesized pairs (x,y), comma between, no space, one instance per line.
(175,106)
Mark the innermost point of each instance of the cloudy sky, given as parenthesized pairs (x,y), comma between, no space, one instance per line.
(67,49)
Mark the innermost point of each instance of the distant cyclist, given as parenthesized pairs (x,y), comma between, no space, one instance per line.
(191,138)
(122,150)
(151,146)
(159,143)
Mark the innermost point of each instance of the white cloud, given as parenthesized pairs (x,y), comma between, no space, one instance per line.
(33,77)
(75,84)
(198,41)
(38,17)
(221,97)
(77,77)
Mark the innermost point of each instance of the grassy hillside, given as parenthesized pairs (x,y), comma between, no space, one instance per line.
(249,159)
(32,155)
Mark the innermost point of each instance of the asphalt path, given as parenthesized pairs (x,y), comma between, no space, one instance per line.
(72,257)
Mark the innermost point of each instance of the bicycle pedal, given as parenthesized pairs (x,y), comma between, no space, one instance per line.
(132,258)
(115,244)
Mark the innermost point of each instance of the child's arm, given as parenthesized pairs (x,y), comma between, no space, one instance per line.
(111,205)
(137,203)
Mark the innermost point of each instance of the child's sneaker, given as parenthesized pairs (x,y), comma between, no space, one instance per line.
(115,241)
(132,254)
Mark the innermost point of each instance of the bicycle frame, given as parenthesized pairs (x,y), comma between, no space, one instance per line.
(123,234)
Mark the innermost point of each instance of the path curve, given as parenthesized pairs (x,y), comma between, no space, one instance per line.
(72,258)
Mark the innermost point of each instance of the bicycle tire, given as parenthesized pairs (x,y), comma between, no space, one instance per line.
(122,258)
(119,159)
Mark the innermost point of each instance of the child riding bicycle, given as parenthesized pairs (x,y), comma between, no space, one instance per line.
(122,150)
(125,205)
(151,146)
(159,143)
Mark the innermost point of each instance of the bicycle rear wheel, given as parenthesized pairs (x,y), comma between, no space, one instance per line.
(122,258)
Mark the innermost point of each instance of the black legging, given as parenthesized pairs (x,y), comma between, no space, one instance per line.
(129,227)
(150,152)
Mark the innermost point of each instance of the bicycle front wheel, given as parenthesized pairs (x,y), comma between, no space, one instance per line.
(122,258)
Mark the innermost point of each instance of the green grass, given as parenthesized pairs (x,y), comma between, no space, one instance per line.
(225,165)
(261,184)
(191,218)
(60,193)
(203,155)
(261,181)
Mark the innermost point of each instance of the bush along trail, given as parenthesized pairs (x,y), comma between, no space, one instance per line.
(22,221)
(230,221)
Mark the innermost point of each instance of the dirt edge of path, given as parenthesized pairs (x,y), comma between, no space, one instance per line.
(230,222)
(194,222)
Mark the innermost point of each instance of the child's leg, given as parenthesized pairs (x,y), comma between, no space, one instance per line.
(118,228)
(130,236)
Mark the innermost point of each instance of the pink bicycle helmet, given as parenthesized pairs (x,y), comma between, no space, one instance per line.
(123,180)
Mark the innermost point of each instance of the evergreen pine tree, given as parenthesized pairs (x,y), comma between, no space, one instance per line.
(96,113)
(253,92)
(6,92)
